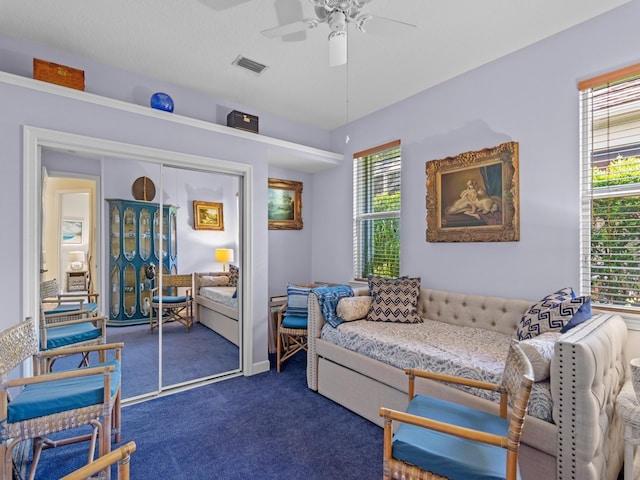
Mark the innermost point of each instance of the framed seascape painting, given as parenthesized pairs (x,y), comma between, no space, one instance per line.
(207,215)
(474,196)
(284,204)
(72,231)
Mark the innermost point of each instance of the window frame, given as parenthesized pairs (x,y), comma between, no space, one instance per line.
(592,130)
(363,202)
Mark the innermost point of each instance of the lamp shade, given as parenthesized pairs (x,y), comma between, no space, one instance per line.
(224,255)
(76,257)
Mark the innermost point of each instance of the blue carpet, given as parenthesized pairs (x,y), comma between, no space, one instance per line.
(267,426)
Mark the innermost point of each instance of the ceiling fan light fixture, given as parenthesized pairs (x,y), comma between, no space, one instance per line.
(337,48)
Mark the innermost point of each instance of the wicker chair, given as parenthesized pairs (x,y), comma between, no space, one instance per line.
(72,324)
(175,307)
(438,439)
(55,402)
(291,330)
(121,456)
(54,302)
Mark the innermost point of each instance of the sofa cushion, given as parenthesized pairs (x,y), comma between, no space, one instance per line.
(394,300)
(539,350)
(354,308)
(214,281)
(551,313)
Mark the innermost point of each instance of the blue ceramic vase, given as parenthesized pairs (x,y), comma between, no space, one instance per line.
(162,101)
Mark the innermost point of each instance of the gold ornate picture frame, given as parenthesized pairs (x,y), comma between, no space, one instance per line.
(284,204)
(474,196)
(207,215)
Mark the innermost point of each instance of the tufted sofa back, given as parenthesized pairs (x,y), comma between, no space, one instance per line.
(491,313)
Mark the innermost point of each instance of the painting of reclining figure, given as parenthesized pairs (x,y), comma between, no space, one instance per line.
(473,197)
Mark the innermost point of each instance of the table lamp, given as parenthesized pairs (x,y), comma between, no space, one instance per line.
(76,260)
(224,256)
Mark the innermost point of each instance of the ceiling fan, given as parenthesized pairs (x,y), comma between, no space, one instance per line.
(338,14)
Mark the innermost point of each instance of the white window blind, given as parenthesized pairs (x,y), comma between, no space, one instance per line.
(610,189)
(376,211)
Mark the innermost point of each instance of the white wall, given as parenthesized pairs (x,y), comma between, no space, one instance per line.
(530,97)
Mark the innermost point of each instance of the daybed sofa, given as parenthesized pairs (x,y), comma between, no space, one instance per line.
(216,303)
(583,439)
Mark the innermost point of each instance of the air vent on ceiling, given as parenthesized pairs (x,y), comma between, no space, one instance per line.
(249,64)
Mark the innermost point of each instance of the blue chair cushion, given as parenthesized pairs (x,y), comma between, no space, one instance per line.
(292,321)
(70,334)
(48,398)
(170,299)
(447,455)
(71,307)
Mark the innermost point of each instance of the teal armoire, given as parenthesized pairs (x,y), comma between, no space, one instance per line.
(138,238)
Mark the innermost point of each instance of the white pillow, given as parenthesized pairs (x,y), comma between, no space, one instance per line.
(539,350)
(353,308)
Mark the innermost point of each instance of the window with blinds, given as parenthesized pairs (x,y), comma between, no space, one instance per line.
(610,189)
(376,211)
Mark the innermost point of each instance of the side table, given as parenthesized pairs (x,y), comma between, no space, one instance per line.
(628,408)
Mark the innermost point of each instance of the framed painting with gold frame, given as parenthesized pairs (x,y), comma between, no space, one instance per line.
(284,204)
(474,196)
(207,215)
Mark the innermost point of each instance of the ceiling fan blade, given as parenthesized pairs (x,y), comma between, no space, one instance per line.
(290,11)
(222,4)
(384,26)
(287,29)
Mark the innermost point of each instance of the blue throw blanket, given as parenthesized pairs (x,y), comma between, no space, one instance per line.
(328,298)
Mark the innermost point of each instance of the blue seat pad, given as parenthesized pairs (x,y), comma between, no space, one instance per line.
(293,321)
(170,299)
(71,334)
(72,307)
(42,399)
(447,455)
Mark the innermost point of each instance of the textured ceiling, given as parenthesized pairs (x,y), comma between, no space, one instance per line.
(194,42)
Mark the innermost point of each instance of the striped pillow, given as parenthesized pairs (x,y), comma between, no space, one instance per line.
(297,298)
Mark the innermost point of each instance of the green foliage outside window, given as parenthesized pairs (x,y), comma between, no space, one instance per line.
(615,235)
(385,261)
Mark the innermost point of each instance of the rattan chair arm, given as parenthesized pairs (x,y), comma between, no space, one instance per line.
(463,432)
(121,454)
(442,377)
(282,308)
(50,377)
(63,352)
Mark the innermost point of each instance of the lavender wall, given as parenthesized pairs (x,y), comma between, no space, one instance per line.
(530,97)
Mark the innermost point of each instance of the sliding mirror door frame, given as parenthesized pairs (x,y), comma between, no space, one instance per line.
(36,139)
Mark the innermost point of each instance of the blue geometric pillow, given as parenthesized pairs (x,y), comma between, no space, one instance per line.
(297,298)
(552,313)
(328,298)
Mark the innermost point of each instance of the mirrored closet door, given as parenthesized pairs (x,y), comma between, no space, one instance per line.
(130,242)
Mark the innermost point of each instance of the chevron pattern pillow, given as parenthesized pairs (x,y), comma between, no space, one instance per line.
(550,314)
(394,300)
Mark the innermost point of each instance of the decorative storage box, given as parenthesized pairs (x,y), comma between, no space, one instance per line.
(58,74)
(243,121)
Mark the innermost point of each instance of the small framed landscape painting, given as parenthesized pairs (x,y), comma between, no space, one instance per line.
(285,204)
(207,215)
(474,196)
